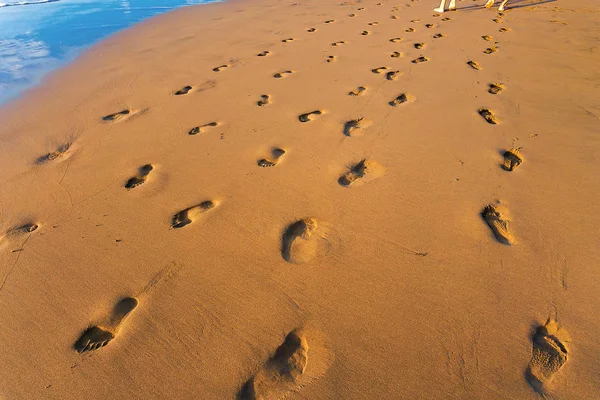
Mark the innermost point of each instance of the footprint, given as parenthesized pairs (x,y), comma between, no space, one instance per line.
(396,40)
(488,115)
(365,33)
(549,354)
(359,91)
(401,99)
(394,17)
(189,215)
(356,127)
(446,19)
(352,15)
(362,172)
(498,219)
(282,74)
(311,30)
(439,35)
(497,20)
(487,38)
(504,30)
(331,59)
(414,21)
(294,365)
(309,116)
(117,116)
(200,129)
(396,54)
(288,40)
(474,65)
(490,50)
(141,177)
(378,70)
(183,90)
(419,45)
(330,21)
(264,53)
(419,60)
(410,30)
(221,67)
(277,153)
(495,88)
(393,75)
(24,229)
(512,159)
(428,25)
(60,152)
(338,43)
(264,100)
(99,336)
(299,242)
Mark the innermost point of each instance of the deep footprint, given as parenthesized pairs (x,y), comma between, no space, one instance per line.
(474,65)
(439,36)
(117,116)
(99,336)
(183,90)
(264,100)
(356,127)
(282,74)
(378,70)
(495,88)
(512,159)
(488,115)
(309,116)
(401,99)
(396,39)
(221,67)
(393,75)
(420,60)
(140,178)
(264,53)
(362,172)
(498,219)
(189,215)
(549,355)
(201,129)
(276,155)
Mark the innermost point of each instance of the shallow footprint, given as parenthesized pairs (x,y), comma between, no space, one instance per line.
(474,65)
(331,59)
(396,39)
(264,53)
(264,100)
(335,44)
(309,116)
(362,172)
(359,91)
(512,159)
(288,40)
(276,153)
(419,60)
(117,116)
(396,54)
(439,35)
(487,38)
(140,178)
(282,74)
(488,115)
(298,244)
(99,336)
(365,33)
(503,30)
(311,30)
(410,30)
(495,88)
(549,354)
(189,215)
(221,67)
(330,21)
(201,129)
(490,50)
(183,90)
(294,365)
(61,151)
(378,70)
(498,219)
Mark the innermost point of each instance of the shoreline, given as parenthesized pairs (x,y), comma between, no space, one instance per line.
(234,222)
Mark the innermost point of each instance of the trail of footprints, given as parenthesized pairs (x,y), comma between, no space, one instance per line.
(303,240)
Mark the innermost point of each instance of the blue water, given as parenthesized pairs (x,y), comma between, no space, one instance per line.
(37,36)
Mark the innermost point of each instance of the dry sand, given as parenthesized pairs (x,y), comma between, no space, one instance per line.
(219,247)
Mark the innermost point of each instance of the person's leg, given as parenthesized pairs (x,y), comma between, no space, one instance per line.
(452,5)
(489,3)
(501,8)
(440,9)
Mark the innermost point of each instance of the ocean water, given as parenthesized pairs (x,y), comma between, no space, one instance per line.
(38,36)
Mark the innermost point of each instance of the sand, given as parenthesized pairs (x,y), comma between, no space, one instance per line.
(183,217)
